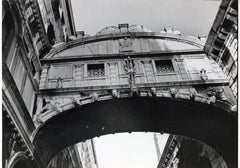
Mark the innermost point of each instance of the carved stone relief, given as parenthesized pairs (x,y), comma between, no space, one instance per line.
(126,45)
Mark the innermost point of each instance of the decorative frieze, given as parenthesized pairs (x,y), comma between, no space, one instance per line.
(56,105)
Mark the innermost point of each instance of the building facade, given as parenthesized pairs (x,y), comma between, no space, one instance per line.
(222,41)
(81,155)
(159,141)
(69,157)
(158,151)
(221,45)
(58,20)
(25,39)
(169,158)
(88,154)
(182,152)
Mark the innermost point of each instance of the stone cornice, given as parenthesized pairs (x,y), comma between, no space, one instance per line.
(121,55)
(55,91)
(155,35)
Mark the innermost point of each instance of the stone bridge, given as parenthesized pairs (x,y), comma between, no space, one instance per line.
(132,81)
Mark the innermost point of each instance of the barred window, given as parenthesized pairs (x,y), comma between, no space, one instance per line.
(163,66)
(95,70)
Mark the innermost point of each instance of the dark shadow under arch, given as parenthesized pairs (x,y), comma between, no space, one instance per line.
(19,160)
(200,121)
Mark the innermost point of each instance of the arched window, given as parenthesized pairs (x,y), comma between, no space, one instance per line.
(20,164)
(55,7)
(51,33)
(62,19)
(19,160)
(8,36)
(11,30)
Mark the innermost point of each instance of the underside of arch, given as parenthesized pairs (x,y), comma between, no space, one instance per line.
(200,121)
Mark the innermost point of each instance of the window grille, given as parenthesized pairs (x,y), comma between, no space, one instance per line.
(163,66)
(95,70)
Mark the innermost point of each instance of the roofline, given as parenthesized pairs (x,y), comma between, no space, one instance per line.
(72,58)
(96,38)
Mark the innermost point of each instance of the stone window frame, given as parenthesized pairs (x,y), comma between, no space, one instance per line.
(92,68)
(175,69)
(106,74)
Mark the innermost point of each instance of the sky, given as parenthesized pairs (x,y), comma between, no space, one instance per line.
(128,150)
(190,17)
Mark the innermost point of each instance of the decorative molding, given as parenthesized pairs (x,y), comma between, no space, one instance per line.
(187,83)
(155,35)
(70,58)
(126,45)
(52,108)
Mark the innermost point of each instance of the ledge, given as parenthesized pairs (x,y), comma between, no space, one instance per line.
(120,55)
(177,95)
(69,90)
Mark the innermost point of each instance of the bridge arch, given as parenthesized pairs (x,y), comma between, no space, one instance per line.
(213,124)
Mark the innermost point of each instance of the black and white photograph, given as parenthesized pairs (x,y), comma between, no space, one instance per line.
(119,84)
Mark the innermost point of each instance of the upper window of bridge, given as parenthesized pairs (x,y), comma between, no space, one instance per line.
(164,66)
(95,70)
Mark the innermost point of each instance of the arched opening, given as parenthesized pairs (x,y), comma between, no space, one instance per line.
(195,154)
(51,33)
(62,19)
(7,28)
(20,164)
(204,122)
(202,162)
(55,7)
(139,149)
(19,160)
(8,34)
(11,29)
